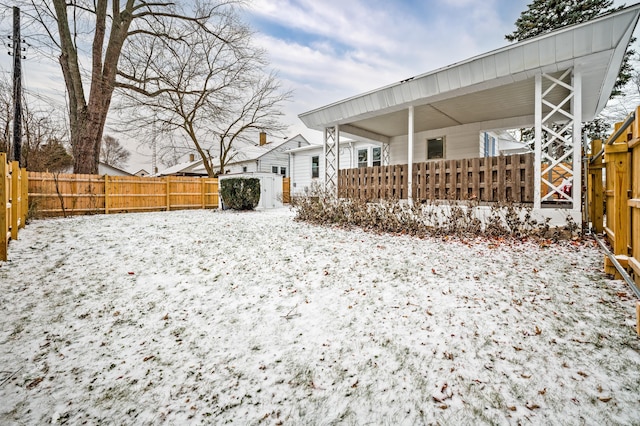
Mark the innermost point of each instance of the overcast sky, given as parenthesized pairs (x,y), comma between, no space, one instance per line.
(328,50)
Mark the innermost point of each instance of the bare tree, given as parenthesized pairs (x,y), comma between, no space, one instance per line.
(113,153)
(91,29)
(43,137)
(213,91)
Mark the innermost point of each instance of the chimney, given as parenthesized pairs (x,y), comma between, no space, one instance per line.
(192,158)
(263,138)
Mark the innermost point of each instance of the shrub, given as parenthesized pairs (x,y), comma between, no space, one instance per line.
(429,219)
(240,193)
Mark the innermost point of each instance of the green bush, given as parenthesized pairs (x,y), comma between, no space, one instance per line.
(240,193)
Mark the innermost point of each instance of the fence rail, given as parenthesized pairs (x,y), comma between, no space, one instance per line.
(13,202)
(489,179)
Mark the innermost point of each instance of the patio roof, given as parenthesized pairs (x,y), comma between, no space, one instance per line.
(496,88)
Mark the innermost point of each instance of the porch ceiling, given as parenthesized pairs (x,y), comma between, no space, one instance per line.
(495,87)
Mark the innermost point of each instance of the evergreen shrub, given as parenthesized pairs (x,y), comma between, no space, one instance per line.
(240,193)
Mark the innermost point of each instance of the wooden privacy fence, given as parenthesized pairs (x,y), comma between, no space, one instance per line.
(620,195)
(13,202)
(54,194)
(489,179)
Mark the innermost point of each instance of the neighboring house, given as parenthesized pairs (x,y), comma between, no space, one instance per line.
(105,169)
(266,157)
(192,167)
(141,173)
(501,142)
(307,166)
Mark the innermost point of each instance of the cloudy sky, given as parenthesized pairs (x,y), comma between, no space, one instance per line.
(328,50)
(332,49)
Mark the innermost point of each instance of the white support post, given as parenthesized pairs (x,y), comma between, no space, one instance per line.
(331,160)
(410,136)
(386,154)
(577,142)
(537,166)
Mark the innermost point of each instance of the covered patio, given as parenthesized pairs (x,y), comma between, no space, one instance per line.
(430,124)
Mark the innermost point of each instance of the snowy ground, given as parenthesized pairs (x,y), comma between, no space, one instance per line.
(213,317)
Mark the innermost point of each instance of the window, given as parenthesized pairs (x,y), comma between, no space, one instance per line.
(274,169)
(244,169)
(376,156)
(363,157)
(315,166)
(283,171)
(435,148)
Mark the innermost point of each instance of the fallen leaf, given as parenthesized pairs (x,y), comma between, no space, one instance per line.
(538,330)
(604,398)
(35,383)
(531,406)
(147,358)
(131,273)
(512,408)
(583,374)
(542,392)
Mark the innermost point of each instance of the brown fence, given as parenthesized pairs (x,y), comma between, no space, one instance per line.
(53,194)
(13,202)
(490,179)
(286,190)
(621,195)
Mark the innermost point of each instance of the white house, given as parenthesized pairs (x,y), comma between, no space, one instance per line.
(307,162)
(552,82)
(265,157)
(501,142)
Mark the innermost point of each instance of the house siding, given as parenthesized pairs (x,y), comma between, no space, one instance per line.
(301,180)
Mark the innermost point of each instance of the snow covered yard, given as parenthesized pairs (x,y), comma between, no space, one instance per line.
(212,317)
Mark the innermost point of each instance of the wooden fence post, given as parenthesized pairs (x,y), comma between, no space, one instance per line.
(596,191)
(16,202)
(618,158)
(4,207)
(106,194)
(168,186)
(202,192)
(24,196)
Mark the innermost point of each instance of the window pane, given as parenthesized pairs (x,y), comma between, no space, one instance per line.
(435,148)
(283,171)
(376,156)
(274,169)
(363,157)
(315,167)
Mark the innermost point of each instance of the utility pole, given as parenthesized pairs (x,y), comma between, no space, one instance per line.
(17,87)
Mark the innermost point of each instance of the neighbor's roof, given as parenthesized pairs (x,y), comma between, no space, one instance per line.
(497,86)
(181,168)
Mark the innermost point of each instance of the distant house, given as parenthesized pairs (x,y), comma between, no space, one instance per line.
(105,169)
(141,173)
(192,167)
(265,157)
(501,142)
(307,166)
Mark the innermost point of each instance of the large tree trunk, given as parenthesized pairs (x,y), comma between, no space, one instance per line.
(87,119)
